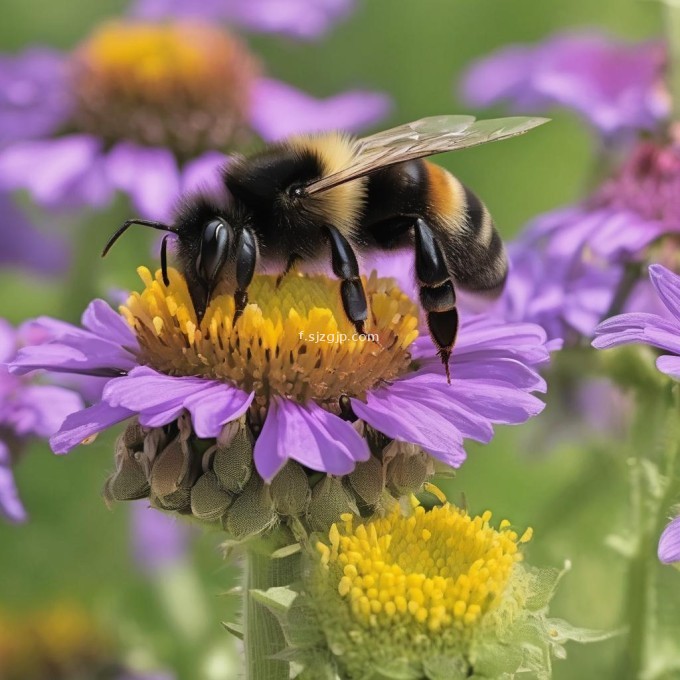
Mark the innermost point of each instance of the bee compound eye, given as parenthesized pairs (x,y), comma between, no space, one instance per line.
(296,190)
(215,243)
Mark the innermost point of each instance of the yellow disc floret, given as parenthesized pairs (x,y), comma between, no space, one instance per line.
(294,339)
(411,584)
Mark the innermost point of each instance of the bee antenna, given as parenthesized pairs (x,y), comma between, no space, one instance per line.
(129,223)
(164,259)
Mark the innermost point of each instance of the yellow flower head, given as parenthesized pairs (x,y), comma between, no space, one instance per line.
(181,85)
(294,339)
(410,585)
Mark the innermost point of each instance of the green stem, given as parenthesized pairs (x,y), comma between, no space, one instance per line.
(262,634)
(649,510)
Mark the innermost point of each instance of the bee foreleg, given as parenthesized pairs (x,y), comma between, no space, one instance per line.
(346,268)
(246,259)
(437,295)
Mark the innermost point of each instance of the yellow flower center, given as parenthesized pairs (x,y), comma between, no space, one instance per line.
(427,573)
(181,85)
(293,340)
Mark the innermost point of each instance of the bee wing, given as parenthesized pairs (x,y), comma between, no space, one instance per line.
(424,137)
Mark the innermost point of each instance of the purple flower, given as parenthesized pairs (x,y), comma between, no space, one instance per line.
(26,409)
(669,543)
(616,86)
(493,377)
(306,19)
(650,329)
(82,125)
(158,540)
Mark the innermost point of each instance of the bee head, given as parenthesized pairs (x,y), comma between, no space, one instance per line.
(206,229)
(205,233)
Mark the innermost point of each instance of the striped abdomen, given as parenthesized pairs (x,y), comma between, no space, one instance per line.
(461,223)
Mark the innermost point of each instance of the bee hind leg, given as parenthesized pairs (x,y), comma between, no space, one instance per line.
(346,268)
(246,259)
(437,294)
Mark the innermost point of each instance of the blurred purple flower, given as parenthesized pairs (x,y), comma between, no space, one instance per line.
(34,99)
(306,19)
(158,540)
(493,378)
(22,245)
(26,409)
(553,284)
(69,154)
(615,85)
(669,543)
(649,329)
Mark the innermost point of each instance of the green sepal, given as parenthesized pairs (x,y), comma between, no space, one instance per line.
(235,629)
(295,615)
(495,660)
(277,600)
(543,586)
(446,668)
(399,669)
(561,631)
(286,551)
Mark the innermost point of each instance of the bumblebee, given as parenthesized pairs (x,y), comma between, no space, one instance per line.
(331,194)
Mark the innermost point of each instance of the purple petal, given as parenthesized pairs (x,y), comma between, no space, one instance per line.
(669,365)
(613,84)
(203,174)
(216,405)
(22,245)
(8,341)
(64,172)
(669,543)
(34,94)
(159,399)
(68,349)
(104,321)
(667,285)
(309,435)
(83,424)
(502,76)
(158,540)
(41,409)
(11,507)
(305,19)
(150,177)
(625,329)
(279,110)
(409,415)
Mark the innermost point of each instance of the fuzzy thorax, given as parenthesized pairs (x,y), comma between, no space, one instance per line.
(185,86)
(292,340)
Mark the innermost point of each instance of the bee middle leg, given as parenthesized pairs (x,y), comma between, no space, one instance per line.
(346,268)
(246,259)
(437,295)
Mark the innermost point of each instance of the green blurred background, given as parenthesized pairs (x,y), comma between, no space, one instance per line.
(573,494)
